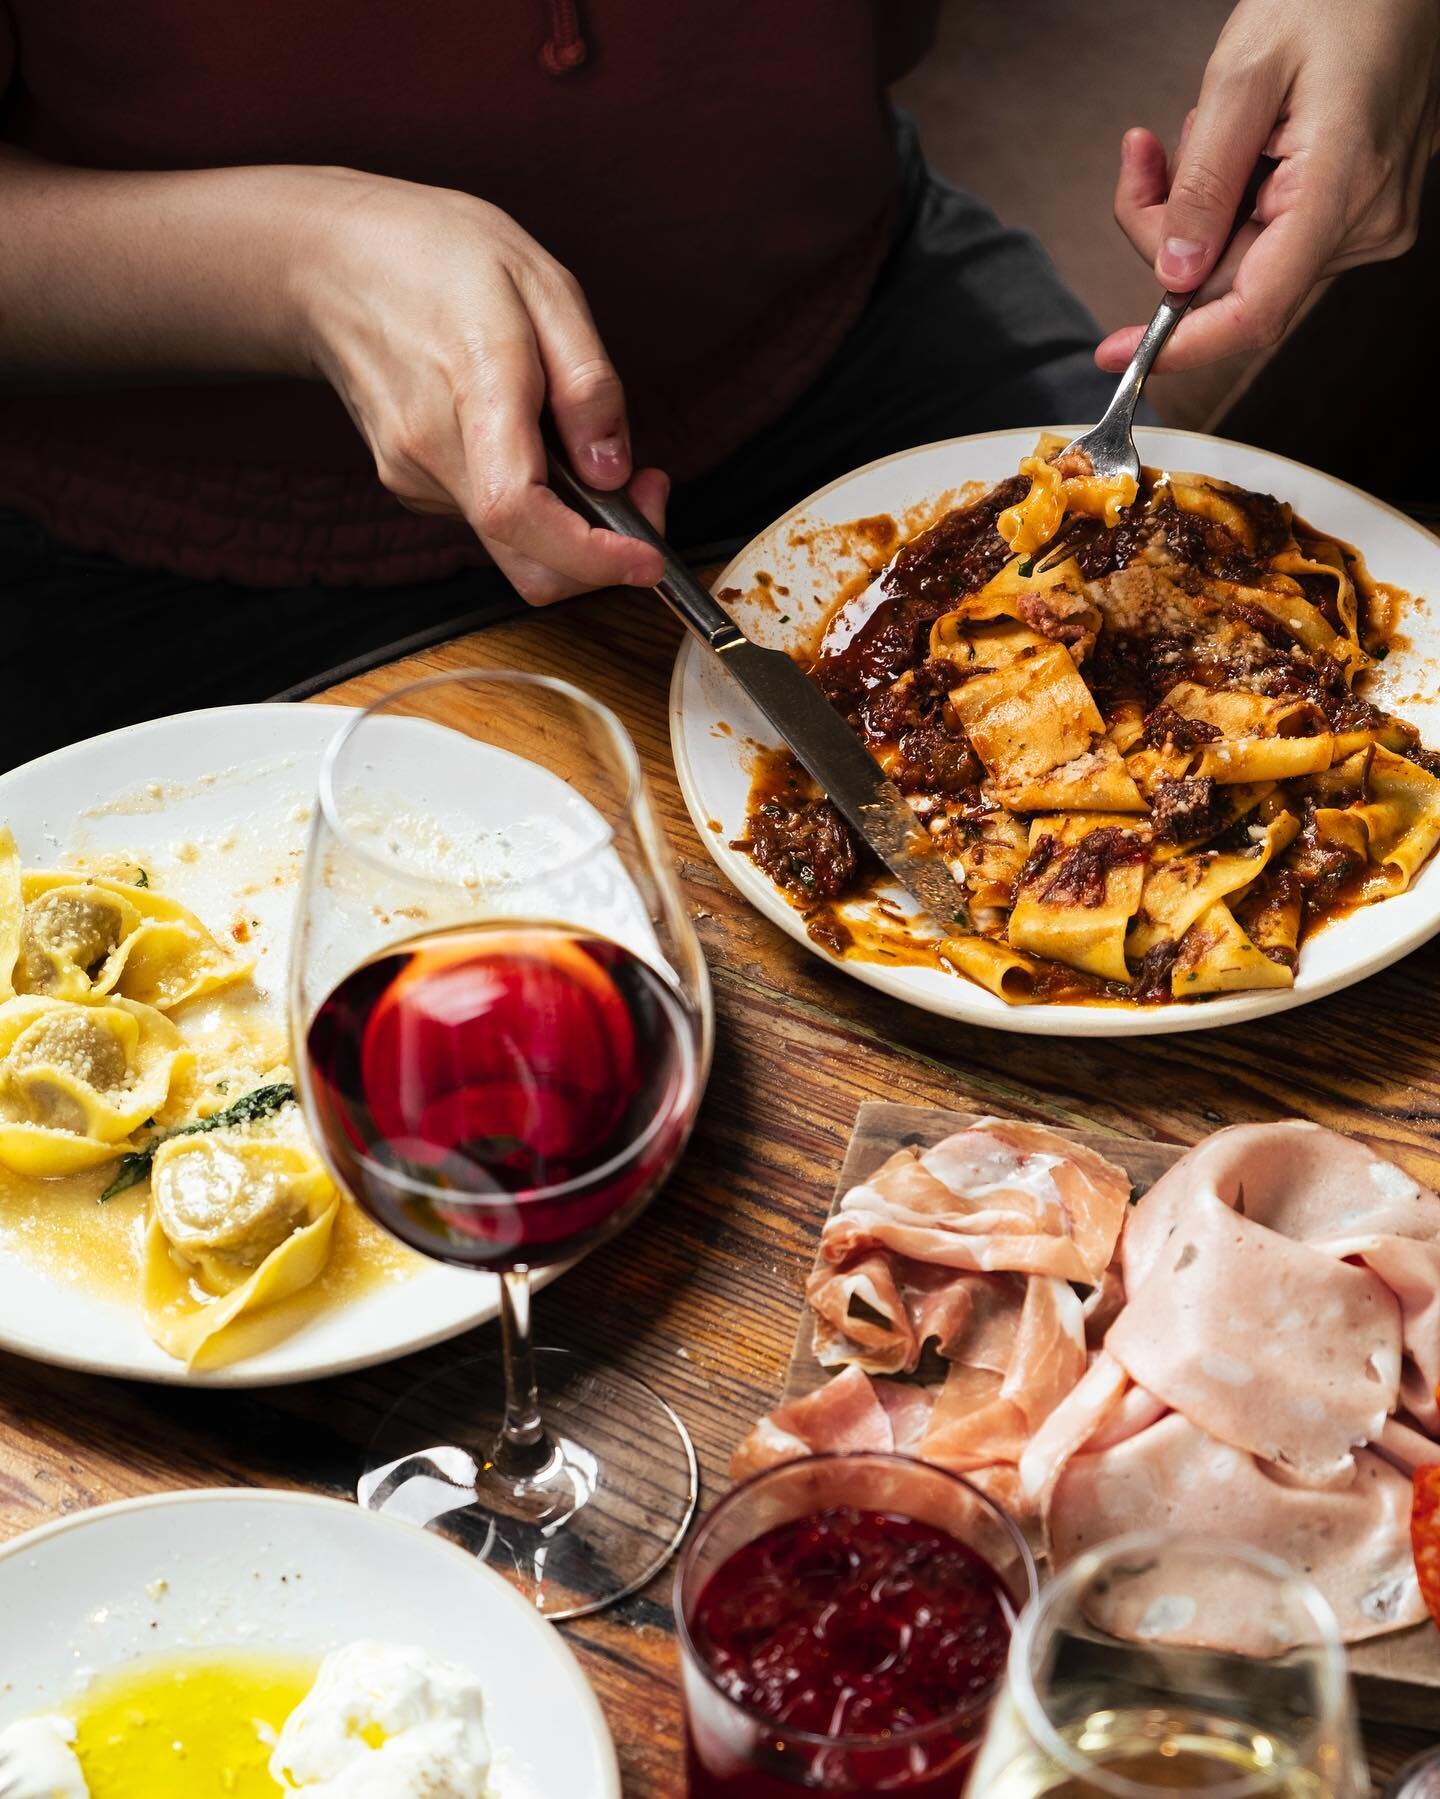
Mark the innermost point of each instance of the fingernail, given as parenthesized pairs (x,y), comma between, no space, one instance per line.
(1180,259)
(607,456)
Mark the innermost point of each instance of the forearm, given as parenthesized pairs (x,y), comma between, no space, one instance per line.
(109,275)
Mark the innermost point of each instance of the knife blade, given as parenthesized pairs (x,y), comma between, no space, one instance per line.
(821,740)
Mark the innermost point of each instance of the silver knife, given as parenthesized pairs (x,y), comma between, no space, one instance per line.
(803,718)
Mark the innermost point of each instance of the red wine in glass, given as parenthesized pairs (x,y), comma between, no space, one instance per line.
(871,1643)
(503,1095)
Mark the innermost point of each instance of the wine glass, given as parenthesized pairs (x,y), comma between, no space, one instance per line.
(1167,1662)
(502,1026)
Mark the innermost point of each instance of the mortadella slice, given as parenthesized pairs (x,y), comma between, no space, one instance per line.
(1353,1541)
(1269,1345)
(1306,1183)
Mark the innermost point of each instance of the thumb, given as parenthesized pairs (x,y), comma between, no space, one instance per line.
(649,489)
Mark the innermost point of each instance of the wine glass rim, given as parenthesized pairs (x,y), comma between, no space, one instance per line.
(1062,1585)
(623,742)
(811,1739)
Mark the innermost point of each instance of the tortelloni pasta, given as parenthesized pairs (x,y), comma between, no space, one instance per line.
(1132,722)
(78,937)
(239,1220)
(77,1080)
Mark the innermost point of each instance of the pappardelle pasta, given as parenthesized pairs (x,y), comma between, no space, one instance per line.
(1133,722)
(107,1072)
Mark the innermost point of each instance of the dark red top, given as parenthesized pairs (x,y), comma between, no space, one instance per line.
(718,174)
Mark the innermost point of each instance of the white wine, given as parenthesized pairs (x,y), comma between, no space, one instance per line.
(1159,1750)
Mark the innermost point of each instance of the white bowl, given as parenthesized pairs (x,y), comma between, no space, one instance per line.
(292,1573)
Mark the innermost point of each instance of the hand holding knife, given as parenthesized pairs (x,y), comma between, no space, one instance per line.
(821,740)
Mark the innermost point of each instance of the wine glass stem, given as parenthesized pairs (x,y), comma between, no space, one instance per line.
(524,1446)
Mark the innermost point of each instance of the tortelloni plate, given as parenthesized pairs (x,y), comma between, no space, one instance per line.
(163,1213)
(1180,747)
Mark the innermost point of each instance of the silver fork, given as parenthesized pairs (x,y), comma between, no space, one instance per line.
(1110,445)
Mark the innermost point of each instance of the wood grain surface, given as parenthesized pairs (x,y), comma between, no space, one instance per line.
(702,1295)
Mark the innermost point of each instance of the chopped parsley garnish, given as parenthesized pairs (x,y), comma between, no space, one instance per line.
(142,879)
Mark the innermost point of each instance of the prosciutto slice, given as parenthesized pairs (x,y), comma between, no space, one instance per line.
(1077,1421)
(986,1415)
(1352,1540)
(878,1311)
(847,1413)
(1001,1196)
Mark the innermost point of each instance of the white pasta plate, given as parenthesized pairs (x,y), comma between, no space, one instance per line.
(216,805)
(809,562)
(292,1574)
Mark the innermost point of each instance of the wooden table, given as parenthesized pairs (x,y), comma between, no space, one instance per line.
(701,1297)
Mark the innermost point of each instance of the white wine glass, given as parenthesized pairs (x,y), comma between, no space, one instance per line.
(502,1026)
(1123,1681)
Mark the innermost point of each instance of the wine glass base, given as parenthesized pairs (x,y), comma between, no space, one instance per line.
(607,1507)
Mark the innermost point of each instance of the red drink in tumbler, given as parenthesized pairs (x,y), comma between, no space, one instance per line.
(846,1649)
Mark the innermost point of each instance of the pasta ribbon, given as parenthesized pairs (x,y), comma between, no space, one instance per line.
(1079,891)
(995,966)
(1041,738)
(1401,820)
(1179,891)
(1029,525)
(1216,956)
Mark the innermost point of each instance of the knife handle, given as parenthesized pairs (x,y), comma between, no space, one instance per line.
(695,607)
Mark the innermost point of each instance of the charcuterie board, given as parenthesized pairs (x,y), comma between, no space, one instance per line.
(1396,1677)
